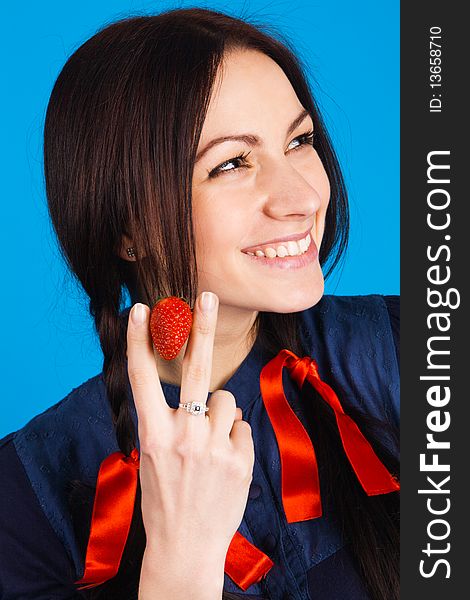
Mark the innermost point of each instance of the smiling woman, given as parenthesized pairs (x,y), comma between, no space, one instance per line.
(185,156)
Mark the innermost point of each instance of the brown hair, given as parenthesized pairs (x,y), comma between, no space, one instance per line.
(121,132)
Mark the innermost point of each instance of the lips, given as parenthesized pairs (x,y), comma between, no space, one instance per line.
(287,264)
(277,241)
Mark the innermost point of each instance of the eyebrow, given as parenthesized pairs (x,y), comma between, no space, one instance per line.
(247,138)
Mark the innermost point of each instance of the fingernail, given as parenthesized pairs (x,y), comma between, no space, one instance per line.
(138,314)
(207,301)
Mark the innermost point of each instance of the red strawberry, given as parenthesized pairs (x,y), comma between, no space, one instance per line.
(170,323)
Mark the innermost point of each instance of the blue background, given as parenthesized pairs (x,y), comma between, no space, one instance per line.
(352,50)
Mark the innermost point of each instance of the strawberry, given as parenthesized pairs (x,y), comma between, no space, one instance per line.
(170,323)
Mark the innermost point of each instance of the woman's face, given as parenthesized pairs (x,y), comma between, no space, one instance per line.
(267,189)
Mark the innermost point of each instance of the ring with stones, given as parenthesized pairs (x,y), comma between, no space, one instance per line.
(195,408)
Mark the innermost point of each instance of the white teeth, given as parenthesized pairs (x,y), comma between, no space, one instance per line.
(292,248)
(280,252)
(270,252)
(289,248)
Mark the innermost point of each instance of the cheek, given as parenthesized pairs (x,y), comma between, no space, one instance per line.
(325,200)
(318,179)
(322,185)
(314,173)
(207,236)
(215,228)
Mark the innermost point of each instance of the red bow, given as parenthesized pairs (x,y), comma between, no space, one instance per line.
(245,564)
(299,470)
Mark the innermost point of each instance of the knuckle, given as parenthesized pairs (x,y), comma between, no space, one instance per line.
(243,426)
(203,326)
(139,376)
(191,454)
(135,338)
(239,469)
(187,449)
(217,455)
(132,338)
(224,459)
(224,396)
(196,373)
(153,447)
(148,446)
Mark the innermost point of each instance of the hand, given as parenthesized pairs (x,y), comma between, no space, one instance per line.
(195,471)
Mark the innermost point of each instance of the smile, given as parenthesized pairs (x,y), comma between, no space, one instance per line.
(295,245)
(299,258)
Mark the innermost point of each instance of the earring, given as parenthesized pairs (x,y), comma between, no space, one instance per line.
(130,252)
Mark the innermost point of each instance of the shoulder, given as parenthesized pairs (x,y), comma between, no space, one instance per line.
(52,442)
(66,442)
(83,411)
(351,310)
(28,544)
(355,340)
(352,318)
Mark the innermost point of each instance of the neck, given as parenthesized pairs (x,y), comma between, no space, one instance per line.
(233,340)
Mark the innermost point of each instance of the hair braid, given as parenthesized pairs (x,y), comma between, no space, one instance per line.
(112,331)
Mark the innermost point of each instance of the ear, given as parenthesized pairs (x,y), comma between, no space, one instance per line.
(126,243)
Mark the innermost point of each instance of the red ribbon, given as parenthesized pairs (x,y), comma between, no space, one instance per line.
(111,519)
(244,564)
(299,470)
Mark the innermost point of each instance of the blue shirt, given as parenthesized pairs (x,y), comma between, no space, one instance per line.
(354,341)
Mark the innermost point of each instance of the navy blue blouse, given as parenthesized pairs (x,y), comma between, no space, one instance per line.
(355,342)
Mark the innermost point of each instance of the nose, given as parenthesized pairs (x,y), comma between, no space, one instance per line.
(288,196)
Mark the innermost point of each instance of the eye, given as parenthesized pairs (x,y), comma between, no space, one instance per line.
(239,160)
(304,139)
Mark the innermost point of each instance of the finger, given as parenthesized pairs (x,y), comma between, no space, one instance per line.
(238,414)
(149,400)
(222,414)
(241,437)
(197,361)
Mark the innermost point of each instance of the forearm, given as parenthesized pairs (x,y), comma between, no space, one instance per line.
(188,577)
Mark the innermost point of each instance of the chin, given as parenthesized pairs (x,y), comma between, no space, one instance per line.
(297,300)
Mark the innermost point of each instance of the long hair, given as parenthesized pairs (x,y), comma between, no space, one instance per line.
(121,133)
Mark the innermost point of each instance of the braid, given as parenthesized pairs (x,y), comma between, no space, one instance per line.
(112,331)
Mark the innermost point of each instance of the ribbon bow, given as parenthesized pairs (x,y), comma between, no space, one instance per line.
(244,564)
(299,470)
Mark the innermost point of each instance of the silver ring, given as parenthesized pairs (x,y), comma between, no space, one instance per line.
(195,408)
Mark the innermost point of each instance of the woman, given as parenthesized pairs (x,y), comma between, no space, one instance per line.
(184,154)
